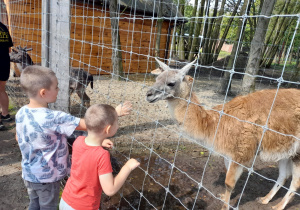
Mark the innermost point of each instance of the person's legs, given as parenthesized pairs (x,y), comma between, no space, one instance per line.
(34,198)
(3,98)
(3,101)
(48,195)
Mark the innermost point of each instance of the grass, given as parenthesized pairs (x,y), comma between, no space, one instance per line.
(223,54)
(288,67)
(12,108)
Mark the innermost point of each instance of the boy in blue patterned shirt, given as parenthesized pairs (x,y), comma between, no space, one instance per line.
(41,134)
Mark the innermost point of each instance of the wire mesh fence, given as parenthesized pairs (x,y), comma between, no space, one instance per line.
(179,170)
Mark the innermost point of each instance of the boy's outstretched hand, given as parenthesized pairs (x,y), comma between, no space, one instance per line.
(132,164)
(107,143)
(124,108)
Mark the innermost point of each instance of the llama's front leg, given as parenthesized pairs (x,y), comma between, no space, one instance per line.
(86,99)
(285,171)
(227,163)
(295,184)
(233,174)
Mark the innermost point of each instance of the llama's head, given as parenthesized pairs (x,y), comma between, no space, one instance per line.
(20,55)
(170,83)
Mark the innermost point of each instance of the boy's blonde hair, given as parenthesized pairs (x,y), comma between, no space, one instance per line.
(35,78)
(98,116)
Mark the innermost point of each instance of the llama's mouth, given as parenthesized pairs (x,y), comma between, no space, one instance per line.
(152,101)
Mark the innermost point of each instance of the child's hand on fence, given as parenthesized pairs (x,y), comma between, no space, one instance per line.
(107,144)
(124,108)
(132,164)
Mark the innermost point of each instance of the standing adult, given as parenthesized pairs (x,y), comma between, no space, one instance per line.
(5,44)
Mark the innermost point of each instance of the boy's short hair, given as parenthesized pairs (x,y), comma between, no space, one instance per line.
(98,116)
(34,78)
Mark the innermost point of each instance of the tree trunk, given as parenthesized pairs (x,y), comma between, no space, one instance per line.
(257,44)
(173,51)
(158,35)
(222,40)
(206,51)
(279,24)
(296,72)
(195,41)
(216,33)
(181,51)
(115,38)
(225,81)
(275,23)
(192,25)
(270,56)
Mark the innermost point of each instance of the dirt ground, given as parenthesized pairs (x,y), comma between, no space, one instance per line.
(150,135)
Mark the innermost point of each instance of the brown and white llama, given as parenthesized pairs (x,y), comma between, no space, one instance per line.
(79,79)
(238,131)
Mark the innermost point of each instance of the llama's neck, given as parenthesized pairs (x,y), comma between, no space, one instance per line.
(194,119)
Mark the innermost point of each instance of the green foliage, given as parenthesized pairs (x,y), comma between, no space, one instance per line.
(188,10)
(12,108)
(223,54)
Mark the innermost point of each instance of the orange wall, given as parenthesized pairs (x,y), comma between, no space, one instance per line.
(90,43)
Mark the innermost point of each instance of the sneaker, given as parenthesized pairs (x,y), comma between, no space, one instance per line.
(2,127)
(6,118)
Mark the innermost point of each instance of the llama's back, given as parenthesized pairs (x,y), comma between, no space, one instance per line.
(240,135)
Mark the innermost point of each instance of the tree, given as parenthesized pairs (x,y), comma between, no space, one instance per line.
(279,30)
(225,81)
(159,26)
(192,24)
(115,39)
(296,72)
(181,50)
(257,47)
(224,35)
(195,41)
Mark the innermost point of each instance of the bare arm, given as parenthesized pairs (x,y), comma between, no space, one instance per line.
(16,137)
(81,126)
(111,185)
(124,108)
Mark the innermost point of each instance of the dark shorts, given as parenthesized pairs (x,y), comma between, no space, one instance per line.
(4,66)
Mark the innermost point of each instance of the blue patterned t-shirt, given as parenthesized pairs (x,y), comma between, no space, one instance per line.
(42,140)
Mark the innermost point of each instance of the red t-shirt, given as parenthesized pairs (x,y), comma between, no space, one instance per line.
(83,189)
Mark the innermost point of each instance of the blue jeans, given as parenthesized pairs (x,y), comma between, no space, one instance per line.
(43,196)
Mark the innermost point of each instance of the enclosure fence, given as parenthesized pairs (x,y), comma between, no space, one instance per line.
(176,171)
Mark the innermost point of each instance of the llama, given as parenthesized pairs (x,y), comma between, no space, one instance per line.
(79,79)
(238,140)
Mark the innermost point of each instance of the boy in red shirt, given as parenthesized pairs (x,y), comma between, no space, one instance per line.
(91,170)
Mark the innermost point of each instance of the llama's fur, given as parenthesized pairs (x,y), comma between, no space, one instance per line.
(245,122)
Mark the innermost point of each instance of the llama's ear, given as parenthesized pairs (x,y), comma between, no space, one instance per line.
(189,79)
(162,65)
(157,71)
(187,67)
(29,49)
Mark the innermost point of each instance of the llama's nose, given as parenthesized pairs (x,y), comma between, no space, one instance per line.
(149,93)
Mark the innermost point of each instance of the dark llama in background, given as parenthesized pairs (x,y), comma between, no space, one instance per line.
(79,79)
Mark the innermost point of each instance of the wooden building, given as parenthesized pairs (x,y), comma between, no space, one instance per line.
(90,39)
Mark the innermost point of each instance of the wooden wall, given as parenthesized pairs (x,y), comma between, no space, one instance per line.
(90,44)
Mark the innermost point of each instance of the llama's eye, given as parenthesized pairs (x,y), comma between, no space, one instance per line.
(171,84)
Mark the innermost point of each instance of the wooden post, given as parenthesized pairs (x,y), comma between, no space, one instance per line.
(56,46)
(45,32)
(2,5)
(7,5)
